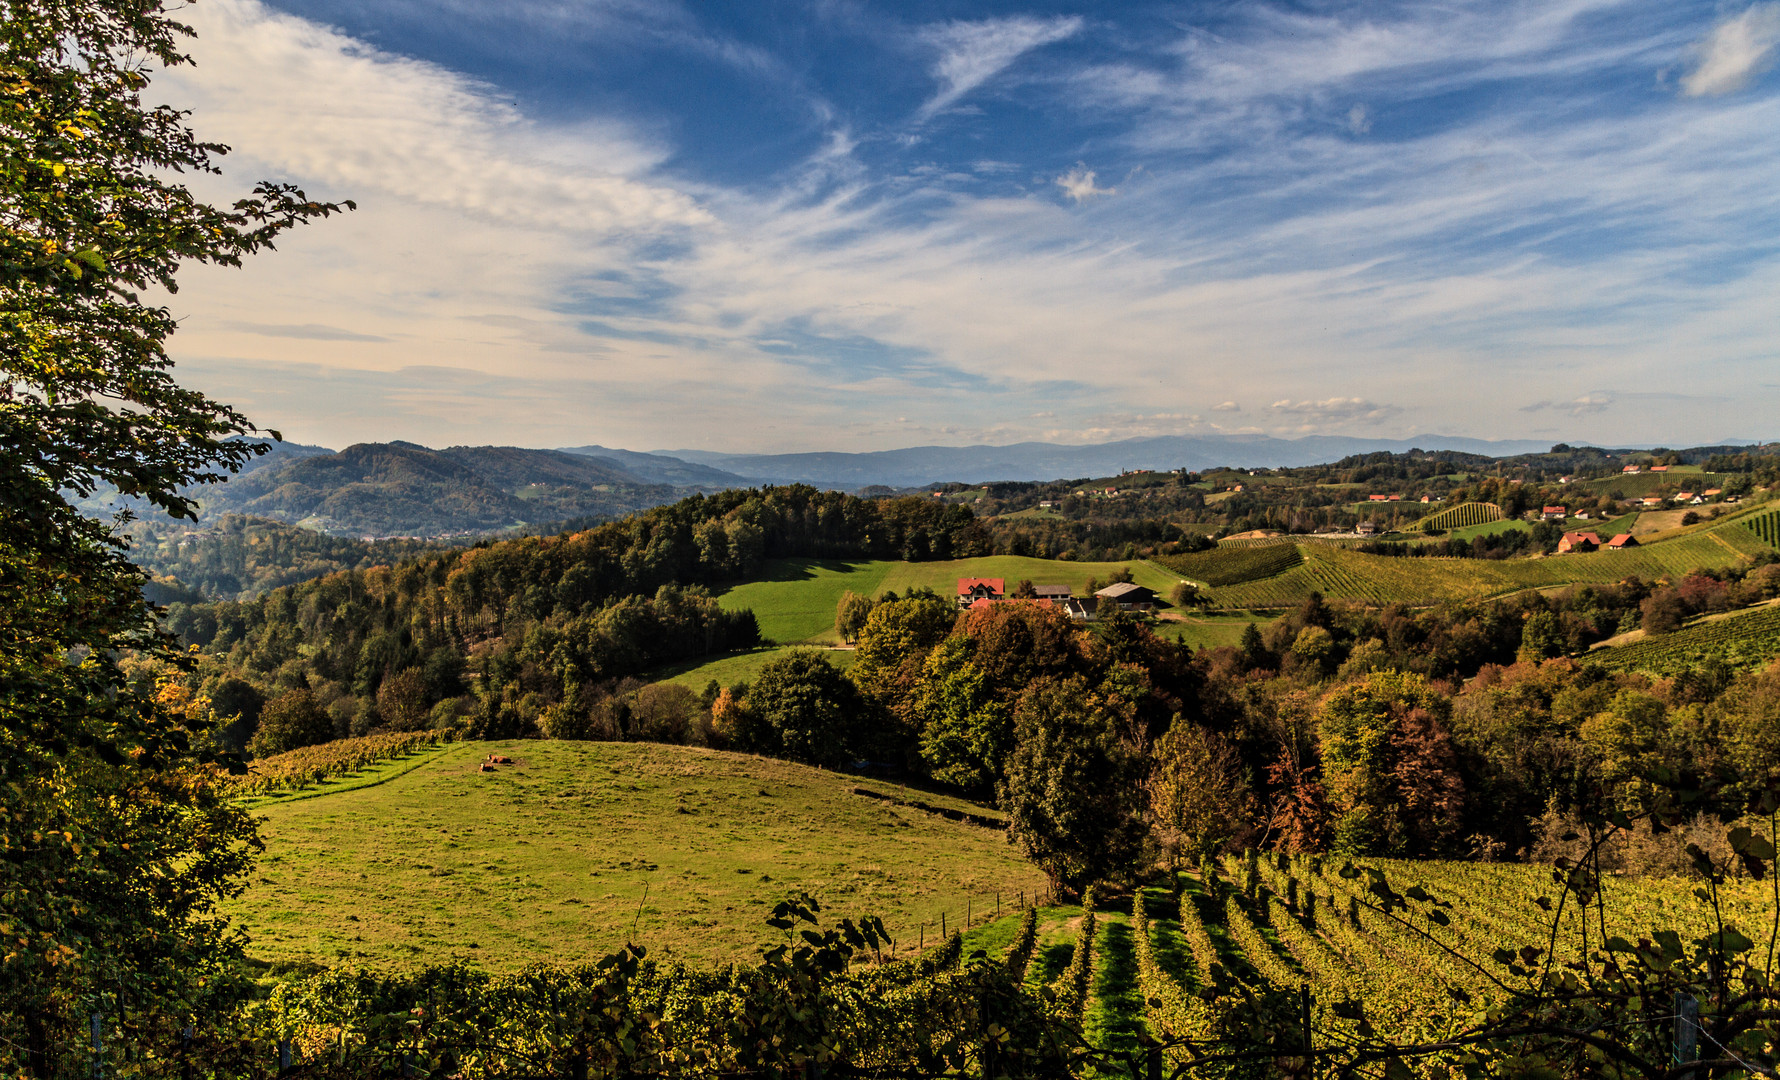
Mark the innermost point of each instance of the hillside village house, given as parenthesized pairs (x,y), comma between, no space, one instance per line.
(1579,541)
(972,589)
(1052,594)
(1652,500)
(1623,541)
(1632,469)
(1555,513)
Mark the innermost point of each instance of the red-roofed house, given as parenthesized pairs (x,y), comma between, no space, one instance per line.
(1555,513)
(1632,468)
(972,589)
(1652,500)
(1579,541)
(1659,468)
(1378,498)
(1622,541)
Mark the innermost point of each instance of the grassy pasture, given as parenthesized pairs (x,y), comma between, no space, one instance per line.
(1489,528)
(737,667)
(549,859)
(795,599)
(1216,629)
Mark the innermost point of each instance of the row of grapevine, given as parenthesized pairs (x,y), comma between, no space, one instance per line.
(1019,953)
(1072,985)
(313,764)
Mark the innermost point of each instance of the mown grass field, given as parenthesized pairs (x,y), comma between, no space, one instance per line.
(556,858)
(737,667)
(1199,631)
(795,599)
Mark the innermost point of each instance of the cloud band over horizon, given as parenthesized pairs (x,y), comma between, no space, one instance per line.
(660,225)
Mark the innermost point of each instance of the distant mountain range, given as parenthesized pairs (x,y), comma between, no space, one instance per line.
(918,466)
(402,489)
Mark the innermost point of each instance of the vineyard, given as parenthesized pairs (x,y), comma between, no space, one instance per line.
(1742,640)
(1275,922)
(311,765)
(1234,565)
(1462,516)
(1339,573)
(1766,527)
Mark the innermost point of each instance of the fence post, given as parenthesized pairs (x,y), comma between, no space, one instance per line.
(1309,1038)
(1687,1027)
(96,1023)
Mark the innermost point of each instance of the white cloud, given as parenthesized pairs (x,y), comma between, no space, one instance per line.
(1226,406)
(972,53)
(1314,415)
(1586,405)
(309,101)
(1358,120)
(1737,50)
(1078,183)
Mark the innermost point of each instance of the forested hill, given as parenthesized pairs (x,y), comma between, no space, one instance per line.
(401,489)
(237,557)
(528,619)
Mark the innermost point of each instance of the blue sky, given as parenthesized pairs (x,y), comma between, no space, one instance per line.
(779,225)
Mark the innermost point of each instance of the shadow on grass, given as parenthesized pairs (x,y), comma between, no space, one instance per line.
(799,569)
(1115,1022)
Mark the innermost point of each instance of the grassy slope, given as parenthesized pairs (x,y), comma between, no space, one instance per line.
(737,667)
(548,860)
(795,599)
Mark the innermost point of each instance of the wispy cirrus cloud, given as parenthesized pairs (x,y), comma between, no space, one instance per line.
(972,53)
(1586,405)
(1738,49)
(1258,248)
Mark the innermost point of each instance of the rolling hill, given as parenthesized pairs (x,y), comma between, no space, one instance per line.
(562,854)
(401,489)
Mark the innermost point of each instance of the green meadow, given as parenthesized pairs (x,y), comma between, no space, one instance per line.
(795,599)
(578,847)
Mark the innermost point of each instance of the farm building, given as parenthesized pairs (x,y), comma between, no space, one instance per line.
(1652,500)
(1632,469)
(1659,468)
(1555,513)
(1052,593)
(1082,609)
(1623,541)
(1579,541)
(971,589)
(1128,596)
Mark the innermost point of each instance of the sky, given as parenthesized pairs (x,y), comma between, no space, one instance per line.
(775,225)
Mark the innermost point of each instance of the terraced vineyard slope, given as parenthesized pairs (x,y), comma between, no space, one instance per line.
(1295,922)
(1743,639)
(1462,516)
(1339,573)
